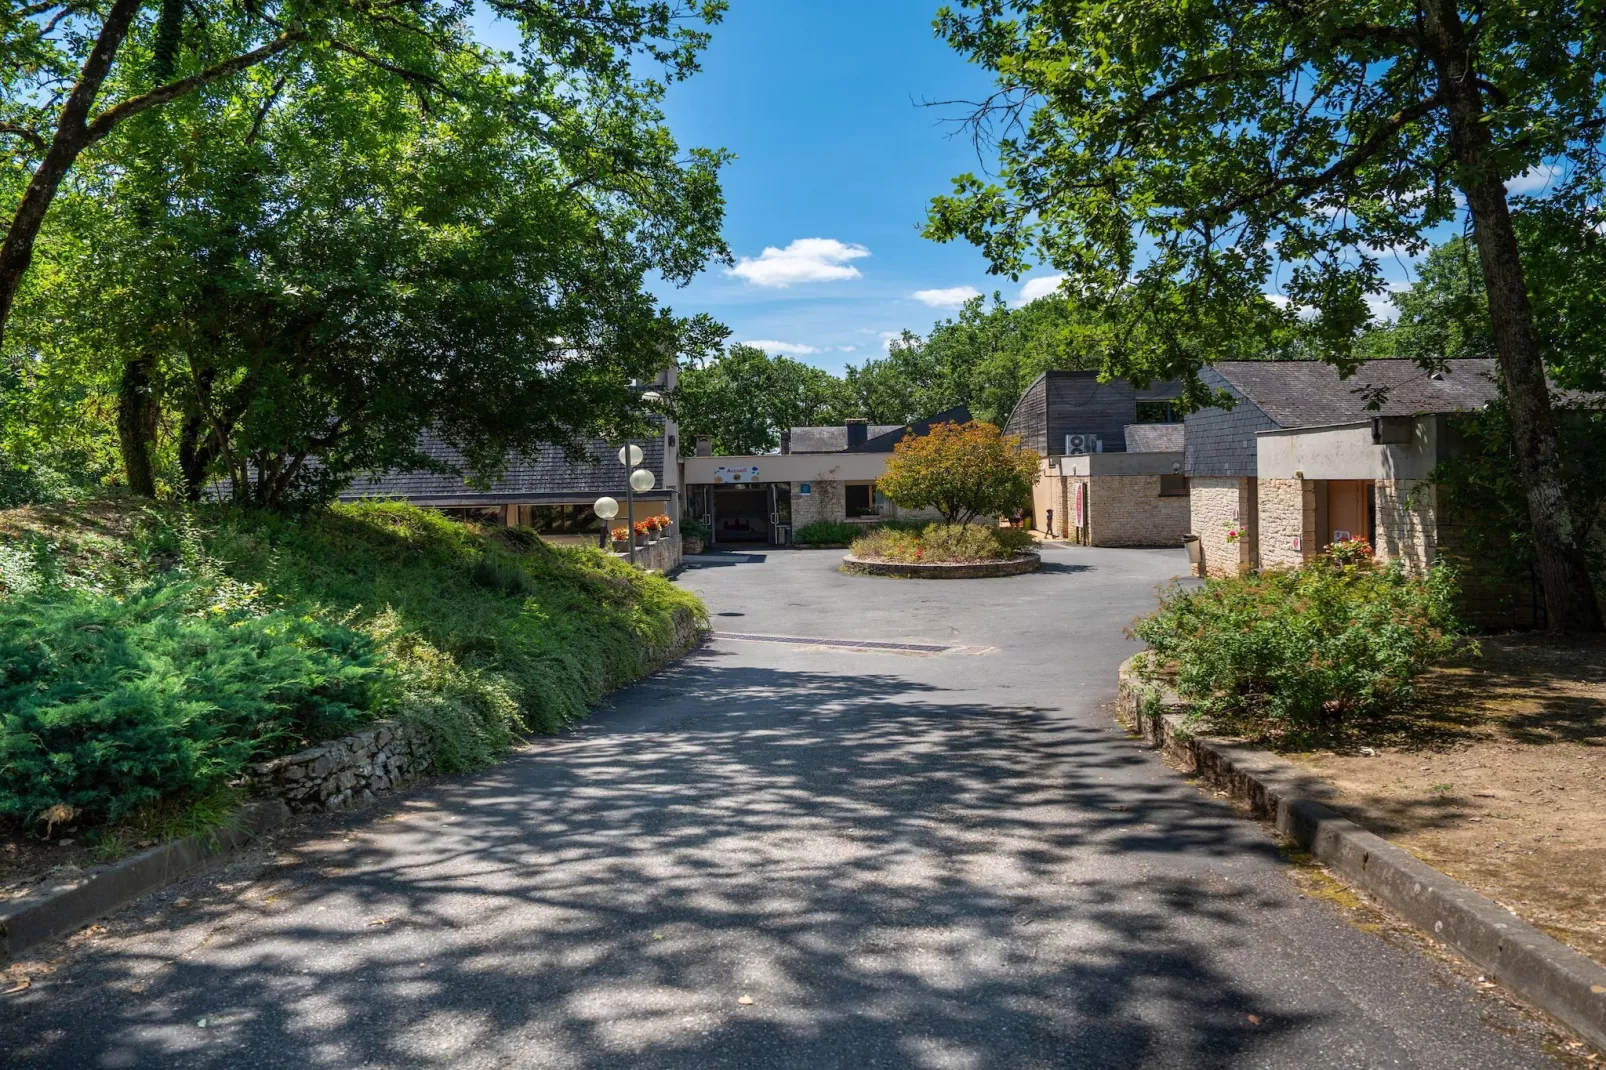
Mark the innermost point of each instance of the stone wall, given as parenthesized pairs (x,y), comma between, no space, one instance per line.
(662,556)
(348,771)
(1130,511)
(1051,493)
(1287,512)
(827,500)
(1216,506)
(1405,522)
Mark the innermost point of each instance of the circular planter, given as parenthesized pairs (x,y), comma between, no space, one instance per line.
(689,545)
(1020,564)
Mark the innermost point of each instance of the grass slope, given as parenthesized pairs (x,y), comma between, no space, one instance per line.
(151,653)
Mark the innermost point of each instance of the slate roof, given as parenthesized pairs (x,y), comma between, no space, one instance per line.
(884,441)
(1308,393)
(544,476)
(832,439)
(1153,438)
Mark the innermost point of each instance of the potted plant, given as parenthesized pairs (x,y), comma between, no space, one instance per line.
(693,536)
(644,534)
(621,538)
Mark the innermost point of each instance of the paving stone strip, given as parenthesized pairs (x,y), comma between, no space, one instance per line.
(1542,970)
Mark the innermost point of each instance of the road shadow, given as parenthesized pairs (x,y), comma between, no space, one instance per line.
(894,875)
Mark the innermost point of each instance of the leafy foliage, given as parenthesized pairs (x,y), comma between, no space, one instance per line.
(1303,650)
(201,641)
(109,706)
(940,543)
(745,398)
(964,471)
(827,533)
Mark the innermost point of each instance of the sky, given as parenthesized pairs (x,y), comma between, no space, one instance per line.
(820,100)
(836,162)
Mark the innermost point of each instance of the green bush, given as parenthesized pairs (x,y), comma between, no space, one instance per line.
(1303,649)
(695,529)
(122,626)
(939,543)
(108,706)
(827,533)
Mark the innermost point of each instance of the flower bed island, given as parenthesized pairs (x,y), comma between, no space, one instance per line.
(942,551)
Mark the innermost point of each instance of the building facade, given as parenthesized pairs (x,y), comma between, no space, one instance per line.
(1111,473)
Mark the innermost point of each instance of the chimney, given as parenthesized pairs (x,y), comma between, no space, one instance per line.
(705,446)
(786,441)
(858,432)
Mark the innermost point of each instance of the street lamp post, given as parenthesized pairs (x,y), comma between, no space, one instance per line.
(606,508)
(638,481)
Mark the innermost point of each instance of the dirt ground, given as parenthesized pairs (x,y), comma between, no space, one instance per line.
(1499,780)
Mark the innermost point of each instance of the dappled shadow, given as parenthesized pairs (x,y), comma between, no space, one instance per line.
(894,875)
(1060,568)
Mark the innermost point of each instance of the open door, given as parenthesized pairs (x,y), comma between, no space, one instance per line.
(780,514)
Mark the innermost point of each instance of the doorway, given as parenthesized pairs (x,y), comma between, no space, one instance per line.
(741,514)
(1351,511)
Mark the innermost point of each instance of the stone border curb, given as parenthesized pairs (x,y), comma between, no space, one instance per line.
(1547,973)
(1018,565)
(59,910)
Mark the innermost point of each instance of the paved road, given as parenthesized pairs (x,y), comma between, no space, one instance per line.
(901,859)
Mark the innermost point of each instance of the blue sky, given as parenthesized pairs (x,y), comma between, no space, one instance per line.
(836,161)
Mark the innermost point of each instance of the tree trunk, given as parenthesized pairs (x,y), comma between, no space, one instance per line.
(138,406)
(136,424)
(1570,603)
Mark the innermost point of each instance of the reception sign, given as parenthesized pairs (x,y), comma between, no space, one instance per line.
(740,474)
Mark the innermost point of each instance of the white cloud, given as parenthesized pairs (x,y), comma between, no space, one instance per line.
(1032,289)
(846,349)
(888,337)
(1382,305)
(1533,180)
(791,349)
(952,297)
(805,260)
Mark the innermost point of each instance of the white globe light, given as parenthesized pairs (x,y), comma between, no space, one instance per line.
(652,397)
(606,508)
(641,481)
(635,456)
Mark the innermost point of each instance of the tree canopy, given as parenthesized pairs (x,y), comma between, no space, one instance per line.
(366,238)
(1176,161)
(743,399)
(964,471)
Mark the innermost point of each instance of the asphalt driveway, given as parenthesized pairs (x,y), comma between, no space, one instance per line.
(923,846)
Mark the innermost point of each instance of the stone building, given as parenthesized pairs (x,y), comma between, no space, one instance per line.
(1305,458)
(821,474)
(1112,459)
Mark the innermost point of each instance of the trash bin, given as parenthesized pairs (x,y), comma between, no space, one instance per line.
(1190,542)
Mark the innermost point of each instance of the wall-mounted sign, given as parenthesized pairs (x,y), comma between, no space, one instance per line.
(1298,543)
(804,490)
(740,474)
(1079,510)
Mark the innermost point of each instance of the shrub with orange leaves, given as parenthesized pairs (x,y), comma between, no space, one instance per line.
(964,471)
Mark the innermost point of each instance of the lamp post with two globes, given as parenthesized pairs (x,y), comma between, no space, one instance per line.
(640,482)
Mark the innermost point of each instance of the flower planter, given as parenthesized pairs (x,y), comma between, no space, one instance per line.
(1020,564)
(691,546)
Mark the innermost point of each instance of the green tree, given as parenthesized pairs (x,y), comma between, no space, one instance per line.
(964,471)
(1179,152)
(344,268)
(744,398)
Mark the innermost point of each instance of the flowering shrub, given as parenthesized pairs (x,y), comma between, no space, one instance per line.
(940,543)
(642,529)
(1353,551)
(1304,648)
(620,534)
(663,521)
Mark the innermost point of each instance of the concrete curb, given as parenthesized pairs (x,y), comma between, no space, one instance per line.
(1547,973)
(1019,565)
(56,911)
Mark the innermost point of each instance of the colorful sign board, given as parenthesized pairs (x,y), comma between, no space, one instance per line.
(736,474)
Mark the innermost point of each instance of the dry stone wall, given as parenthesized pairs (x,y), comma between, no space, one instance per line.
(1217,505)
(1287,514)
(826,500)
(348,771)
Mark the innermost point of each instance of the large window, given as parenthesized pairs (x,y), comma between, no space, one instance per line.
(860,499)
(574,519)
(1159,412)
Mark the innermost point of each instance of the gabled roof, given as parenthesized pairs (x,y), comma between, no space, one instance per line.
(883,441)
(1153,438)
(545,475)
(1306,393)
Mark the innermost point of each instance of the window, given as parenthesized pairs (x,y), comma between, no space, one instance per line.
(574,519)
(1159,412)
(1173,486)
(860,499)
